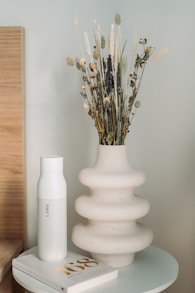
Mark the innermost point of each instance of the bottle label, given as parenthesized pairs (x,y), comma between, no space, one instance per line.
(52,228)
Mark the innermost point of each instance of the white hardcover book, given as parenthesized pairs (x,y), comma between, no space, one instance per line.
(74,274)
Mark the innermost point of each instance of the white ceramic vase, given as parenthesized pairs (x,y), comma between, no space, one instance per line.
(111,232)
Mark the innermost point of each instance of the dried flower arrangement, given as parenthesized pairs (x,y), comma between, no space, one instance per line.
(110,100)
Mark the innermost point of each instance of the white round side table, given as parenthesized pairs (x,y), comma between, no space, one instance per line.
(152,271)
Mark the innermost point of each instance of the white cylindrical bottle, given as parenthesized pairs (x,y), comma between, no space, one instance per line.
(52,210)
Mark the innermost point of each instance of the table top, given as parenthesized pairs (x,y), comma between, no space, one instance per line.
(152,271)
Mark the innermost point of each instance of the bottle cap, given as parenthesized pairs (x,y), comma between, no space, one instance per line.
(52,164)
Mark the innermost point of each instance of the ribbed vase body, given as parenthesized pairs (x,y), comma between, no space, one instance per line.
(111,231)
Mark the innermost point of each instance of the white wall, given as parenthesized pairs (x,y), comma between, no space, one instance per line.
(162,137)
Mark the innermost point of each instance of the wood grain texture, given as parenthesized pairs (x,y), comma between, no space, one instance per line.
(10,248)
(11,134)
(6,284)
(11,154)
(9,285)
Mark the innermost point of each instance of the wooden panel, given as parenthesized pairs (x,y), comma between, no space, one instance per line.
(6,285)
(11,133)
(9,285)
(10,248)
